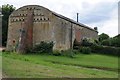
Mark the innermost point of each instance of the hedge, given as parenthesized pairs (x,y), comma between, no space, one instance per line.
(105,50)
(85,50)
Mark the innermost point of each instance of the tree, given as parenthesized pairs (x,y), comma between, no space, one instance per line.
(106,42)
(115,41)
(6,11)
(103,36)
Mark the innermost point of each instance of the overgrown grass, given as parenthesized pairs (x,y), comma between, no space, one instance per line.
(40,66)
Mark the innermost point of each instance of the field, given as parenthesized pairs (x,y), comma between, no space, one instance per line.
(44,66)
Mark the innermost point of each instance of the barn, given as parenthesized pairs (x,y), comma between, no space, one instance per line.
(31,24)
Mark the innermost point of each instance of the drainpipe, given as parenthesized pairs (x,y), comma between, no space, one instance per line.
(71,47)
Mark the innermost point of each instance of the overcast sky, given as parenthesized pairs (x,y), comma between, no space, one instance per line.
(93,13)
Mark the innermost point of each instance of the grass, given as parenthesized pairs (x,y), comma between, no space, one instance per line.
(0,66)
(43,66)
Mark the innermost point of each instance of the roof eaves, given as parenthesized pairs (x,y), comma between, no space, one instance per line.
(72,21)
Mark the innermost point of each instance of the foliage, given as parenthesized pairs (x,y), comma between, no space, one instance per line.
(43,47)
(56,53)
(85,50)
(68,53)
(103,36)
(97,42)
(105,50)
(6,11)
(86,42)
(115,41)
(106,42)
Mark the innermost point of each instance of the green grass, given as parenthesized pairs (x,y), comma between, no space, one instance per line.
(0,65)
(43,66)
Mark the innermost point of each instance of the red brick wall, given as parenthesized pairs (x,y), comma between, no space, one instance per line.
(77,35)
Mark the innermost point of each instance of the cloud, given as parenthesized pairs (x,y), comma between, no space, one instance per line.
(100,13)
(109,26)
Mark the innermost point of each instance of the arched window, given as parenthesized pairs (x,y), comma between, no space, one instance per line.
(16,20)
(22,14)
(44,18)
(34,14)
(34,20)
(40,18)
(19,19)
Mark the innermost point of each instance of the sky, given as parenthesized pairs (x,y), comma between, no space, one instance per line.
(93,13)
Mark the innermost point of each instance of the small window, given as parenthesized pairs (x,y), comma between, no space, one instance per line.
(23,15)
(44,19)
(16,19)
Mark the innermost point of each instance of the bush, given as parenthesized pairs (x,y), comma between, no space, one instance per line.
(105,50)
(106,42)
(43,47)
(86,42)
(56,53)
(115,41)
(68,53)
(96,42)
(85,50)
(103,36)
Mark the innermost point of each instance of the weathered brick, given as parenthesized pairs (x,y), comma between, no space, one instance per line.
(47,26)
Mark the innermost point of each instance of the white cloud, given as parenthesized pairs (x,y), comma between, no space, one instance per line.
(89,11)
(109,26)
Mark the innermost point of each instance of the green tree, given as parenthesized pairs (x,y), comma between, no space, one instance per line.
(106,42)
(6,11)
(103,36)
(115,41)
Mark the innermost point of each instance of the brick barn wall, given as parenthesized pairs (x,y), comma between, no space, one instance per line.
(47,27)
